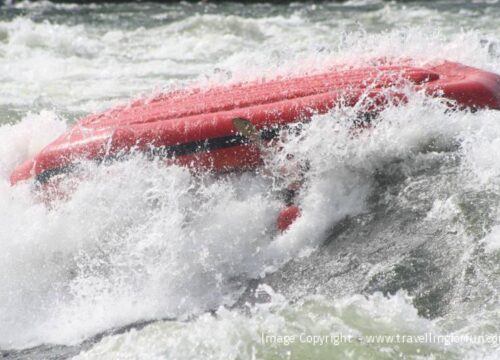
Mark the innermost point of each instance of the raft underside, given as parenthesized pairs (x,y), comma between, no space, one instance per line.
(194,128)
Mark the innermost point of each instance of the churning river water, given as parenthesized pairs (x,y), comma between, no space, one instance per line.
(400,233)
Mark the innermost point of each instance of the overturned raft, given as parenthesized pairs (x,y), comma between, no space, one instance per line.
(194,127)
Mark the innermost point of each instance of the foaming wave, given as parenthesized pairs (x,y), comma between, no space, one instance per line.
(136,241)
(25,139)
(233,335)
(139,240)
(42,60)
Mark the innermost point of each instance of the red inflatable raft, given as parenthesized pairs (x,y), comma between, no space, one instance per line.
(195,127)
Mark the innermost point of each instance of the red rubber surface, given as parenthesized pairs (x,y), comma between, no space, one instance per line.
(184,117)
(286,217)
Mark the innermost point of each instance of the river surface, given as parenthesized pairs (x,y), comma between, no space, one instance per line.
(400,232)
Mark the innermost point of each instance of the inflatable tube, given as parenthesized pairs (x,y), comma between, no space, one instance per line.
(287,217)
(194,127)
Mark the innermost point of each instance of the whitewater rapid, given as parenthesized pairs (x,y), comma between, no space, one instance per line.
(139,241)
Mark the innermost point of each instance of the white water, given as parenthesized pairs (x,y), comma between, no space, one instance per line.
(141,241)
